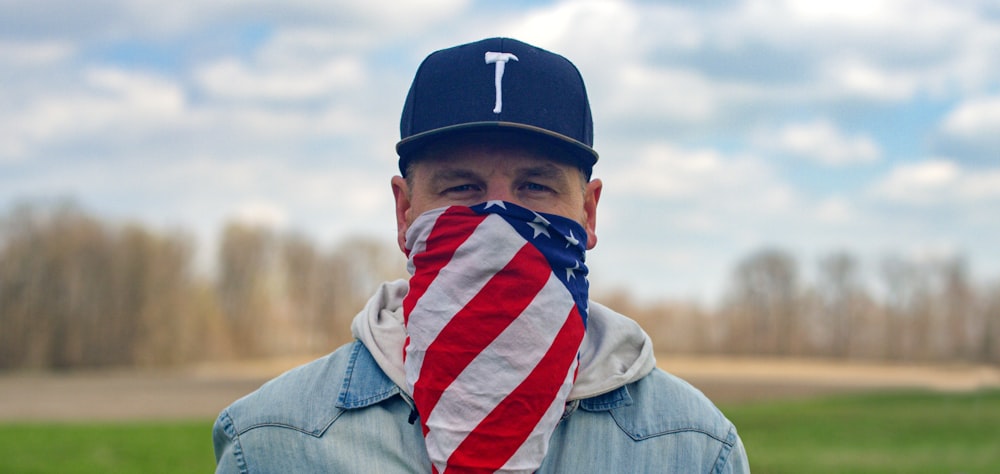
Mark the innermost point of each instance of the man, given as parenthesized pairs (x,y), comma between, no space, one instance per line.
(490,358)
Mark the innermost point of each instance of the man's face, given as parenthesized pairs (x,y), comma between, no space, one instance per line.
(469,172)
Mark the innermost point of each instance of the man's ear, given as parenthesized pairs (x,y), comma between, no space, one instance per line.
(401,194)
(591,196)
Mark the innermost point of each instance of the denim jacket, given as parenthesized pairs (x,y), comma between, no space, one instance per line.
(342,414)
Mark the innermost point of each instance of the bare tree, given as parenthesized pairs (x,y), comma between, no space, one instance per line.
(766,293)
(75,291)
(245,260)
(989,336)
(958,301)
(896,274)
(352,272)
(303,267)
(842,298)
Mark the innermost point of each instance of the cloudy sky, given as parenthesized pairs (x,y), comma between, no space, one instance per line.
(867,126)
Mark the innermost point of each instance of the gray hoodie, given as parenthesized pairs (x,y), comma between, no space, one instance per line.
(615,350)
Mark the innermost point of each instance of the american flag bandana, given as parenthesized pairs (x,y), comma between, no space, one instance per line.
(495,316)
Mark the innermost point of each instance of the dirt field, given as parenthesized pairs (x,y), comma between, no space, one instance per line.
(200,392)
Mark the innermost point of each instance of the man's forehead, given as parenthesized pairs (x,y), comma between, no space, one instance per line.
(484,165)
(473,151)
(466,166)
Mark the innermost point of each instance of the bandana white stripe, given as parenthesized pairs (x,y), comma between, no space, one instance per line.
(452,289)
(511,364)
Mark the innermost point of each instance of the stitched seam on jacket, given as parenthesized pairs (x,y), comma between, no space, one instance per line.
(724,451)
(314,433)
(349,373)
(644,436)
(234,437)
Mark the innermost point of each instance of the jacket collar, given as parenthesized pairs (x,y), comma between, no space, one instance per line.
(364,382)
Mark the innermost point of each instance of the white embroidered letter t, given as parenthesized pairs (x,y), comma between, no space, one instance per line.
(500,59)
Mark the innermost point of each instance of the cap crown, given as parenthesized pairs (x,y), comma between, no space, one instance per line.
(498,82)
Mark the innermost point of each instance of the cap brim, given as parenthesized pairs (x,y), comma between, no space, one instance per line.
(584,155)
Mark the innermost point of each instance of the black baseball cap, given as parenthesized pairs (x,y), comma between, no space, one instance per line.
(498,84)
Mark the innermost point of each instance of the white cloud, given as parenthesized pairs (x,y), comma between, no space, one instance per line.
(821,141)
(611,43)
(137,91)
(589,32)
(388,16)
(231,79)
(939,181)
(112,103)
(664,171)
(835,210)
(644,92)
(927,181)
(856,77)
(930,16)
(293,64)
(849,11)
(646,59)
(982,185)
(302,46)
(887,50)
(262,212)
(147,18)
(25,53)
(703,177)
(976,120)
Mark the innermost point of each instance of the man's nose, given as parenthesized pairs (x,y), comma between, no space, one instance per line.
(500,193)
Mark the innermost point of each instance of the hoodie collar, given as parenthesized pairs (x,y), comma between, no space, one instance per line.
(615,350)
(365,384)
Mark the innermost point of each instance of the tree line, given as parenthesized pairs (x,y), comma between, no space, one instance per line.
(78,291)
(895,309)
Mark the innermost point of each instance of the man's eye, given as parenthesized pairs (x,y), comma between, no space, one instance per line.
(463,188)
(535,187)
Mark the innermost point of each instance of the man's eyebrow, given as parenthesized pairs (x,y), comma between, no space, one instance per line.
(447,175)
(547,170)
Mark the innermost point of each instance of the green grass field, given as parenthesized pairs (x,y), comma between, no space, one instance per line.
(139,447)
(905,432)
(909,432)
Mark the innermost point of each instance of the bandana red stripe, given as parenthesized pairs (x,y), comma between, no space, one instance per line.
(520,405)
(450,230)
(479,322)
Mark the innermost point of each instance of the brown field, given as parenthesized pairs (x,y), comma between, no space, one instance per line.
(201,391)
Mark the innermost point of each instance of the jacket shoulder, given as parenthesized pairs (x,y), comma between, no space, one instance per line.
(664,403)
(303,398)
(659,423)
